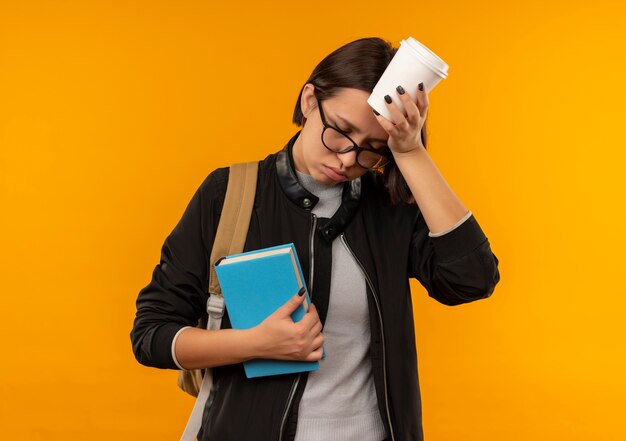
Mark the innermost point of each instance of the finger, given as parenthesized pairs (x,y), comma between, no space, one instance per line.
(397,116)
(315,329)
(385,123)
(410,106)
(316,355)
(311,318)
(422,101)
(318,341)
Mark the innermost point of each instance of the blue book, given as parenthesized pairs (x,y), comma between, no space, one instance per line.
(255,284)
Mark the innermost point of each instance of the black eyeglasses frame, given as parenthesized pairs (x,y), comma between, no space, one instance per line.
(382,152)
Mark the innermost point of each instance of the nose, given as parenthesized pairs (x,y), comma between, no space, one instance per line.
(348,159)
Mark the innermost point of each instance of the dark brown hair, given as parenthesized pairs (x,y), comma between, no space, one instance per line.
(359,65)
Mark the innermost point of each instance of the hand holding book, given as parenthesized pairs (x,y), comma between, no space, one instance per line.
(259,289)
(279,337)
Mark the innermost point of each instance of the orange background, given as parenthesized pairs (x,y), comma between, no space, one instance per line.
(113,112)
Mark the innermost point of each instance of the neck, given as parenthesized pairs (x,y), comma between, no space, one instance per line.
(297,156)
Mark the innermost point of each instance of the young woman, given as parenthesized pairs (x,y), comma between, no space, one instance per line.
(367,209)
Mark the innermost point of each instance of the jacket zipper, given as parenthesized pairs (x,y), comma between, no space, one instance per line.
(380,318)
(294,386)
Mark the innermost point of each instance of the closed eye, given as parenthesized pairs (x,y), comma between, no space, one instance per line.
(339,128)
(349,131)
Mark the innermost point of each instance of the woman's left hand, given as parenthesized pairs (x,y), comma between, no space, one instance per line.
(405,130)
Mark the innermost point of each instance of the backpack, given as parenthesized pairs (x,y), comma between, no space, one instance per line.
(230,239)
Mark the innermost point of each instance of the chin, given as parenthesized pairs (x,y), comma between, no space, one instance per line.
(325,179)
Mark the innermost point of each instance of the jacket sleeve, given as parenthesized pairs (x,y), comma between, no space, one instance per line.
(176,295)
(456,267)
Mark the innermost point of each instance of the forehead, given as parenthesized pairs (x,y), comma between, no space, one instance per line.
(351,105)
(348,96)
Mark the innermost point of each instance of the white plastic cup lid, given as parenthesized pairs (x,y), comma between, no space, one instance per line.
(427,56)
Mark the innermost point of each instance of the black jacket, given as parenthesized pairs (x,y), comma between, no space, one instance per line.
(390,242)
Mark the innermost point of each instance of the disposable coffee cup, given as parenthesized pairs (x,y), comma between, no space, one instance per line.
(412,64)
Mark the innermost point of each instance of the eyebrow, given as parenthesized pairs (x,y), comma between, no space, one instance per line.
(352,126)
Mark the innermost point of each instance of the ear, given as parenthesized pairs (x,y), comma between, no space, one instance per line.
(308,103)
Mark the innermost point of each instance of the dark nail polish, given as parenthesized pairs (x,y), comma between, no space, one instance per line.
(301,291)
(420,86)
(400,90)
(388,99)
(375,112)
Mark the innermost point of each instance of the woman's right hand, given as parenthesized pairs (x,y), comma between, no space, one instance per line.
(280,338)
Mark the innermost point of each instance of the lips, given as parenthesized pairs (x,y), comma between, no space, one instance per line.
(335,175)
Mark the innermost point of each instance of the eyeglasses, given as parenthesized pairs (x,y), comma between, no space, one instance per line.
(336,140)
